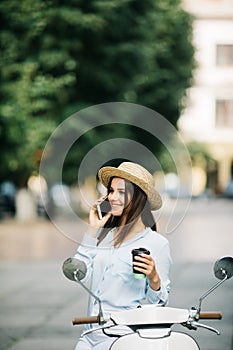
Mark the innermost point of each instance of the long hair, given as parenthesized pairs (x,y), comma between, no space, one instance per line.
(138,205)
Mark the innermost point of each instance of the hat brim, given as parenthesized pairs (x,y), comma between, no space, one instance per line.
(106,173)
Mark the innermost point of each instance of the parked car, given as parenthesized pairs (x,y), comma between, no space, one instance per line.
(228,192)
(7,199)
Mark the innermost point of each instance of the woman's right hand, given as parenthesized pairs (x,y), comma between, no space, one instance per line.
(94,220)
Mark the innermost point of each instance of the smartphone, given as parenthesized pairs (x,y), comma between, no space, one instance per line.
(103,208)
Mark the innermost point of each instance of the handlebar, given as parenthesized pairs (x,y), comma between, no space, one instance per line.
(210,315)
(85,320)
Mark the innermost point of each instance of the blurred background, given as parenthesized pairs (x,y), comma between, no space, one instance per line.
(59,57)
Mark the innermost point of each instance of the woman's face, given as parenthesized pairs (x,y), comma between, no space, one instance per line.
(116,196)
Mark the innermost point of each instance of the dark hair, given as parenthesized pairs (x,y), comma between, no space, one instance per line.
(138,205)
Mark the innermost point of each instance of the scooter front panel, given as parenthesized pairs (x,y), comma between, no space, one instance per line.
(176,341)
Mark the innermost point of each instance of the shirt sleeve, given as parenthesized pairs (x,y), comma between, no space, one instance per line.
(86,252)
(163,263)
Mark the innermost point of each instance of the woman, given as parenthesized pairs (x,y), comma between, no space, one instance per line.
(107,247)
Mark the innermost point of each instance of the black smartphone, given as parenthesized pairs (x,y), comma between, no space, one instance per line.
(103,208)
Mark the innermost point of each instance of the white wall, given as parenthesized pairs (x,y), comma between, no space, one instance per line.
(211,82)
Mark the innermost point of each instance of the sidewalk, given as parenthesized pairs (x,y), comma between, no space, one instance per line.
(37,305)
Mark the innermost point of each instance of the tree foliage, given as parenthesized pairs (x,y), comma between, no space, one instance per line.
(58,57)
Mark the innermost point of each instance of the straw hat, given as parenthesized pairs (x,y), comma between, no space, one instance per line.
(136,174)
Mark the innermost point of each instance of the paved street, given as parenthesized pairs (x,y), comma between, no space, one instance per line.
(37,302)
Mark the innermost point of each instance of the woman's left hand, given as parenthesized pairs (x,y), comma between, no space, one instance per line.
(145,264)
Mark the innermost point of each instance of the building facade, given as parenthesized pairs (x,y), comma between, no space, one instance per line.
(208,118)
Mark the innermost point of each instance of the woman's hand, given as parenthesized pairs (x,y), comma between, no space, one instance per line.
(145,264)
(94,220)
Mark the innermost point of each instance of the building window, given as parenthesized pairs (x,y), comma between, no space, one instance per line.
(224,55)
(224,113)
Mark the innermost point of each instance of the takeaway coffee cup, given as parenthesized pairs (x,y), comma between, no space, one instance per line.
(138,252)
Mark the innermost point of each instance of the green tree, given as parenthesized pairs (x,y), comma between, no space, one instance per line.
(58,57)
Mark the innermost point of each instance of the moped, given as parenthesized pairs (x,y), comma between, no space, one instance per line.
(151,326)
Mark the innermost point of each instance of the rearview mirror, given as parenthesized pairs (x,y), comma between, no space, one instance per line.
(224,267)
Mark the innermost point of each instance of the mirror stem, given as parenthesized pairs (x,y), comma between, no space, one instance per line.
(101,315)
(210,291)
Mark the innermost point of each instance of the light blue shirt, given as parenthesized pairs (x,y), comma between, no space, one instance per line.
(110,271)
